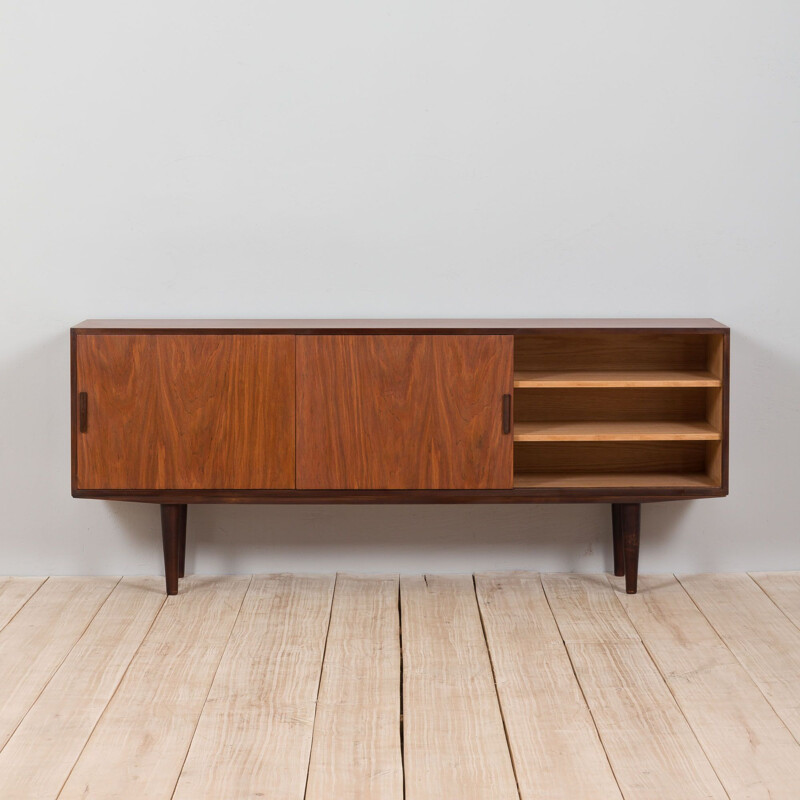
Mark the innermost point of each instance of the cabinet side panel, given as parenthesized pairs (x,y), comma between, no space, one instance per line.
(403,412)
(717,407)
(73,409)
(178,411)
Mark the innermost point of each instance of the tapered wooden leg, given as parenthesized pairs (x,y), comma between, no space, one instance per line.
(630,517)
(616,523)
(182,542)
(172,516)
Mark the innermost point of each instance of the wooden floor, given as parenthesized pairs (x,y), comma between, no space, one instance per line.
(485,687)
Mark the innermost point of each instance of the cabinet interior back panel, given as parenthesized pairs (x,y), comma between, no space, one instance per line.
(611,351)
(551,405)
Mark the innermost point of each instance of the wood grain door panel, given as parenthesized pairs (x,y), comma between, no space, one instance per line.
(186,411)
(403,412)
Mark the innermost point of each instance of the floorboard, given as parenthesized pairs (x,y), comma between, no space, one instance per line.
(556,751)
(751,750)
(39,756)
(39,638)
(356,751)
(651,748)
(758,633)
(454,741)
(254,737)
(783,588)
(140,742)
(14,593)
(499,687)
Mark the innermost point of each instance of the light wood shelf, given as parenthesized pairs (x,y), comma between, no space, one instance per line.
(611,480)
(557,379)
(646,431)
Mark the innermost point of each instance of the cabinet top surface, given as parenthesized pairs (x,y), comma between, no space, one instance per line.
(394,325)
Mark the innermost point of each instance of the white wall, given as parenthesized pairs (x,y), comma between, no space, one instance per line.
(228,159)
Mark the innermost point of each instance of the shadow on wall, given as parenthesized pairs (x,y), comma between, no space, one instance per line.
(393,538)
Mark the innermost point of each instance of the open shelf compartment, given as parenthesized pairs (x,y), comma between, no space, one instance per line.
(618,410)
(662,357)
(617,465)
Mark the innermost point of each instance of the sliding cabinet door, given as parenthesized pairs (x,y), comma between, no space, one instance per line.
(175,411)
(403,412)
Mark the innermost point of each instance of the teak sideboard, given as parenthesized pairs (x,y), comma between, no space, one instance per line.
(400,411)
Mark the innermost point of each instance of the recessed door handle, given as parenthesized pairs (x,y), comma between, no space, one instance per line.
(506,413)
(83,411)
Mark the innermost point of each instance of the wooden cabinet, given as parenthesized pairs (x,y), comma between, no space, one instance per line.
(403,412)
(400,411)
(185,412)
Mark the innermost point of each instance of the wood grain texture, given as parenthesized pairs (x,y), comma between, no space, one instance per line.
(751,750)
(651,748)
(654,372)
(186,412)
(454,744)
(612,404)
(555,494)
(610,457)
(621,466)
(618,539)
(587,611)
(611,480)
(141,740)
(614,432)
(721,470)
(630,522)
(403,412)
(384,325)
(611,351)
(35,642)
(757,632)
(554,744)
(39,756)
(783,588)
(596,378)
(356,752)
(14,593)
(254,737)
(717,405)
(173,537)
(553,741)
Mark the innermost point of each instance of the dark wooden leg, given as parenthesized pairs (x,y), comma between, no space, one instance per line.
(616,522)
(171,516)
(182,542)
(630,517)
